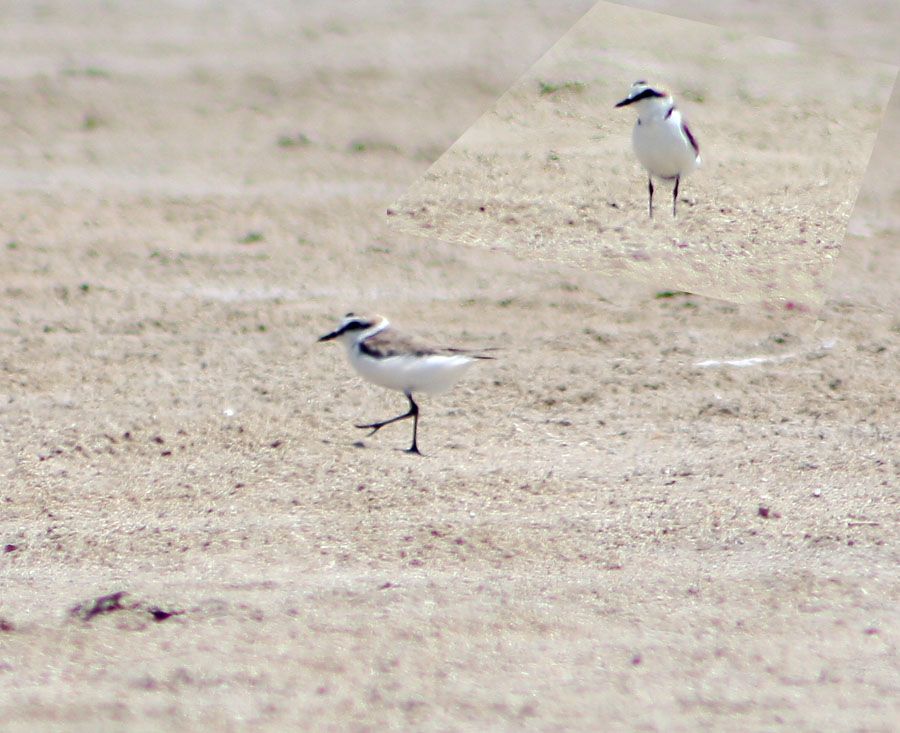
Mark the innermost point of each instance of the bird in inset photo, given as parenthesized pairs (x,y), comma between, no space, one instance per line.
(383,356)
(661,138)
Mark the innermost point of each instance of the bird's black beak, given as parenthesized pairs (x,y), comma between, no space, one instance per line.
(329,336)
(625,102)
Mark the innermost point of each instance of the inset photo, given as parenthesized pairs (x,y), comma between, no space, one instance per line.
(678,153)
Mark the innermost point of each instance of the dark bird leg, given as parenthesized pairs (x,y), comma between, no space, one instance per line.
(413,412)
(675,194)
(414,408)
(650,186)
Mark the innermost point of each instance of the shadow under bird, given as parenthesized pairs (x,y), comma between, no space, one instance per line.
(386,357)
(661,139)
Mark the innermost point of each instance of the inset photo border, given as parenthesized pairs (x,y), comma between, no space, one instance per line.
(784,133)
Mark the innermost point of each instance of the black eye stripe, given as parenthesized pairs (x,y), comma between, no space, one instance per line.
(647,94)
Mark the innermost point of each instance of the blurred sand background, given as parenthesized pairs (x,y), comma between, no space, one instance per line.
(548,173)
(612,528)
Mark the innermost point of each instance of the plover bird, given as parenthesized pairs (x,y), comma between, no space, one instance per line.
(661,139)
(387,358)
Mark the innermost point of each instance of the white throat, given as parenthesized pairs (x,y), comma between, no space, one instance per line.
(657,108)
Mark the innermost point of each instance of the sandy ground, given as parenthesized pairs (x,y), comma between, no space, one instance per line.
(612,528)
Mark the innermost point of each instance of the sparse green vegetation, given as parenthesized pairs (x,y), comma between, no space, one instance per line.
(369,145)
(88,71)
(598,337)
(252,238)
(670,293)
(294,141)
(693,95)
(91,122)
(546,87)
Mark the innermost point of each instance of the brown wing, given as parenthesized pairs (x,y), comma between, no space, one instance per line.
(389,343)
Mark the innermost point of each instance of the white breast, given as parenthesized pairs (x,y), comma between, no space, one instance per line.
(408,373)
(662,147)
